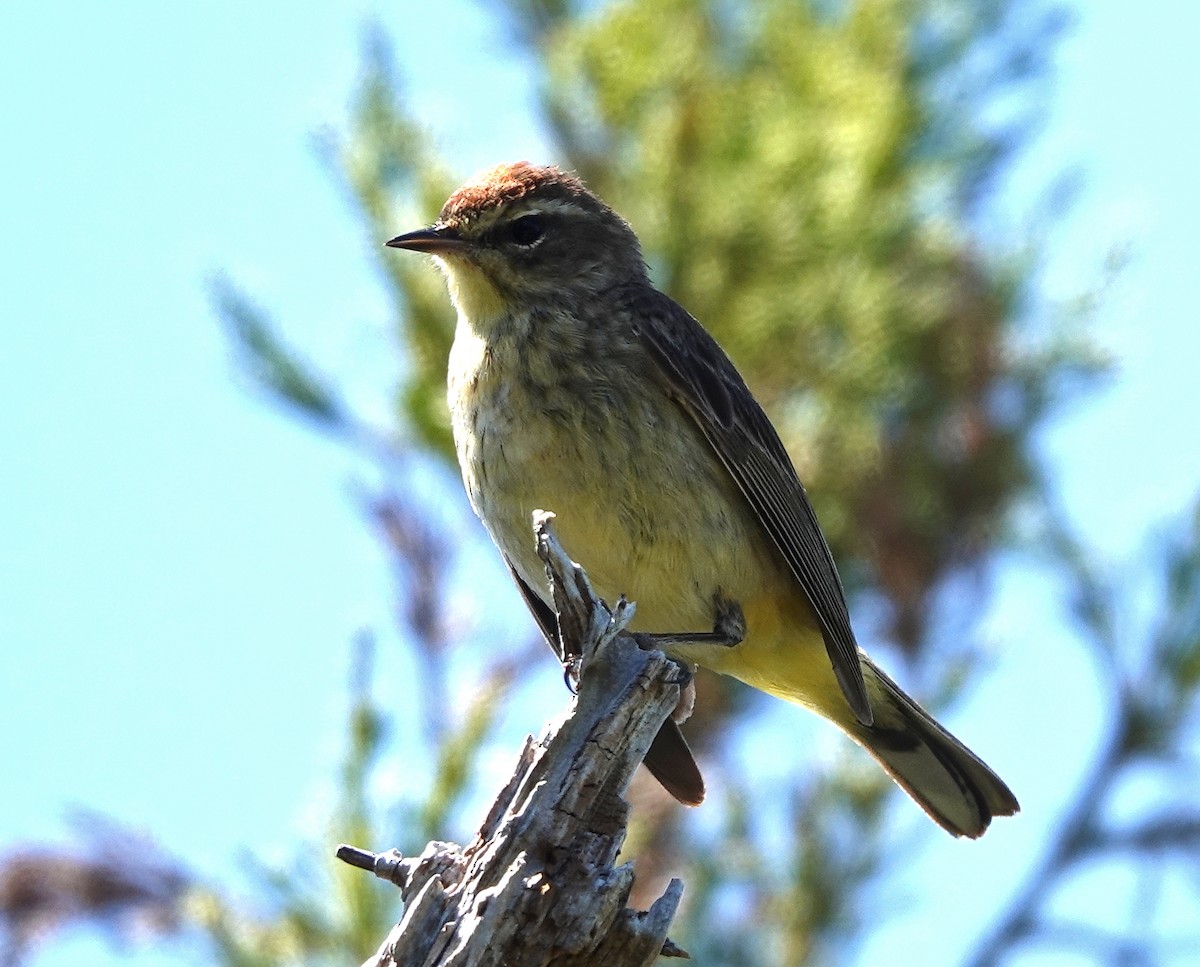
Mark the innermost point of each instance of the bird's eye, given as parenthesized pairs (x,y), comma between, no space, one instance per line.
(527,230)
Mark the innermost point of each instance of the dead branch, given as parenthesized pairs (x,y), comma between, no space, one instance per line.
(538,886)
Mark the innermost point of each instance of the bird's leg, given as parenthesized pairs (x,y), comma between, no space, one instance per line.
(729,629)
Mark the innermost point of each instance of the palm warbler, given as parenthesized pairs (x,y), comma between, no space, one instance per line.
(575,386)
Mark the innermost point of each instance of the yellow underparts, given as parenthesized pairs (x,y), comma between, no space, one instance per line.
(783,654)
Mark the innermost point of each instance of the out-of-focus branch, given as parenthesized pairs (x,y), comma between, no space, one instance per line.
(420,562)
(122,883)
(539,884)
(1152,692)
(1076,836)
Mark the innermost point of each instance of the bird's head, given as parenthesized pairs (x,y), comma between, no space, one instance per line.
(520,237)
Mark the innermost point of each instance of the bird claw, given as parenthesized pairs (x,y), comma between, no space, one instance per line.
(572,667)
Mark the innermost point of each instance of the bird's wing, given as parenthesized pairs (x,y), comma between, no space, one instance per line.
(669,759)
(710,390)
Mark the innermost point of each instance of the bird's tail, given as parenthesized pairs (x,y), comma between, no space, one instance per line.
(953,785)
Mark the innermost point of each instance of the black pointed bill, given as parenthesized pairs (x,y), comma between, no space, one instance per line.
(432,240)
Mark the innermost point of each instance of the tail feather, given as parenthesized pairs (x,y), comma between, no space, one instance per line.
(953,785)
(670,761)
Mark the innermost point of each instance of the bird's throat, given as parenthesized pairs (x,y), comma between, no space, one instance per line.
(479,303)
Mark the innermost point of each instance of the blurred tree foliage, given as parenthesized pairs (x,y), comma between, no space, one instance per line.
(807,177)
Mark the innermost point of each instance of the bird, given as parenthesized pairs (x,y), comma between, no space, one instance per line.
(575,386)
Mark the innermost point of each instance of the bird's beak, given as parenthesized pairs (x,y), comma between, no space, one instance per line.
(433,240)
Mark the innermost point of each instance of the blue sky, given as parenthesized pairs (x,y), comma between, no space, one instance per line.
(183,569)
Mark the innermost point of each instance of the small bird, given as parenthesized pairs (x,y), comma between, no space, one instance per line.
(577,387)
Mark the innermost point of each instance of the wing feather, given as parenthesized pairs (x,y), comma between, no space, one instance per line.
(710,390)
